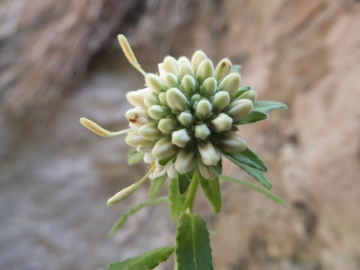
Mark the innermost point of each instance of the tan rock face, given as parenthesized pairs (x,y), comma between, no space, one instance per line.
(304,53)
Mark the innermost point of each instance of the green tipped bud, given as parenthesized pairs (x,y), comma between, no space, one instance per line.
(221,100)
(151,99)
(209,154)
(156,112)
(184,60)
(188,83)
(185,69)
(203,109)
(176,99)
(154,83)
(162,97)
(137,115)
(167,125)
(170,80)
(206,171)
(135,98)
(230,83)
(180,138)
(185,161)
(202,131)
(134,139)
(232,143)
(223,69)
(197,58)
(163,148)
(195,98)
(171,65)
(205,70)
(149,131)
(208,87)
(239,109)
(186,119)
(251,95)
(222,122)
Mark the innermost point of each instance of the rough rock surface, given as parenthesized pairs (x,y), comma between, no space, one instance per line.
(54,183)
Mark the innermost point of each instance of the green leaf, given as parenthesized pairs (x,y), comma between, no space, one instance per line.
(267,106)
(165,161)
(176,201)
(218,167)
(248,158)
(256,188)
(135,158)
(259,176)
(235,68)
(183,182)
(241,91)
(212,192)
(132,152)
(156,185)
(193,251)
(145,261)
(253,117)
(132,211)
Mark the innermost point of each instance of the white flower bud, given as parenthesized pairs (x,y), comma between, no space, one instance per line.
(134,139)
(151,99)
(156,112)
(251,95)
(209,154)
(185,161)
(240,108)
(203,109)
(148,158)
(162,97)
(186,119)
(202,131)
(221,100)
(222,69)
(172,173)
(230,83)
(208,87)
(149,131)
(195,98)
(180,138)
(171,65)
(206,171)
(185,69)
(188,84)
(183,60)
(136,98)
(154,82)
(222,122)
(197,58)
(205,70)
(232,143)
(137,115)
(163,148)
(176,99)
(167,125)
(170,80)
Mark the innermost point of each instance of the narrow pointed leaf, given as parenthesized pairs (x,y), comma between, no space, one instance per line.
(132,152)
(235,68)
(166,160)
(156,185)
(193,251)
(183,182)
(248,158)
(267,106)
(132,211)
(218,167)
(135,158)
(212,192)
(256,188)
(253,117)
(145,261)
(259,176)
(176,201)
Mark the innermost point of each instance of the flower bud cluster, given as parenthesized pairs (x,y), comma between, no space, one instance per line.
(188,114)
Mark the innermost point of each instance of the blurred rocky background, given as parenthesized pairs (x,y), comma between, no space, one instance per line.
(59,61)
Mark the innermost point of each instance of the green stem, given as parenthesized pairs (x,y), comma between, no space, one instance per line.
(190,197)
